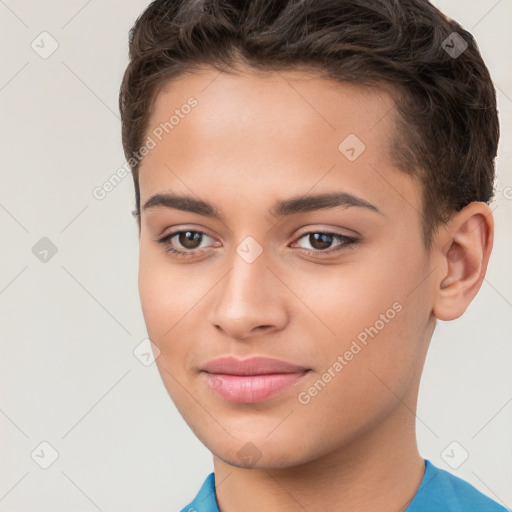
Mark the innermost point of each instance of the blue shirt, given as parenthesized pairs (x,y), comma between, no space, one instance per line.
(439,491)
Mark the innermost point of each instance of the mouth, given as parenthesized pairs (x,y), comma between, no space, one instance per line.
(251,380)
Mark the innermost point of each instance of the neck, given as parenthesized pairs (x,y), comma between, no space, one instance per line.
(366,474)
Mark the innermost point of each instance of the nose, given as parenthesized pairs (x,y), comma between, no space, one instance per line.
(249,301)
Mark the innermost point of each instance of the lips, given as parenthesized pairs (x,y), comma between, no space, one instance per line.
(251,380)
(252,366)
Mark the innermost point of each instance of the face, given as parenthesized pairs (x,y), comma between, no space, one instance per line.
(301,242)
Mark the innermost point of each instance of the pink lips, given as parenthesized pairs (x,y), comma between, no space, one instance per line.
(251,380)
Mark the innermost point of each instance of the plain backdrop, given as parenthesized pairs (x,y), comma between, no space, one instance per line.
(69,308)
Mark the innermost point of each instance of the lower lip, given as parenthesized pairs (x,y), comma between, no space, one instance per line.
(250,389)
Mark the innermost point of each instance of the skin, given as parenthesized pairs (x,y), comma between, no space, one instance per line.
(252,140)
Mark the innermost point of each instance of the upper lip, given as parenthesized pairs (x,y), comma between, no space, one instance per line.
(252,366)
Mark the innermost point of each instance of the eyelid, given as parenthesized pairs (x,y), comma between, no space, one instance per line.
(167,237)
(178,228)
(331,230)
(346,243)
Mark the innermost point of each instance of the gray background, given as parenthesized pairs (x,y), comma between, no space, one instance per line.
(69,325)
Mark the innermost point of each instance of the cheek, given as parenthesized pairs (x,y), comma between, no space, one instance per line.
(353,299)
(167,293)
(377,311)
(167,298)
(155,294)
(363,375)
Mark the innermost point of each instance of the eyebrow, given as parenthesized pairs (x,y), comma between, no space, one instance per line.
(299,204)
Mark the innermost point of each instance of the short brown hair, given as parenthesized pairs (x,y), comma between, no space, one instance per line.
(448,130)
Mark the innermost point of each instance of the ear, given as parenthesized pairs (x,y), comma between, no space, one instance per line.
(462,251)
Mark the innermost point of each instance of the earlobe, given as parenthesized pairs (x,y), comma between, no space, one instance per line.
(466,247)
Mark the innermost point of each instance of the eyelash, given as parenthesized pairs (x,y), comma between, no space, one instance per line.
(348,243)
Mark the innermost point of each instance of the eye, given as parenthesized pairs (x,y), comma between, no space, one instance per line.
(187,239)
(322,242)
(189,242)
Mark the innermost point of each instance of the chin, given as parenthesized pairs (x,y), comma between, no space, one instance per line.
(263,460)
(248,452)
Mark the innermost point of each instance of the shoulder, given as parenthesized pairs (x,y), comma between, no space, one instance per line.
(205,500)
(440,491)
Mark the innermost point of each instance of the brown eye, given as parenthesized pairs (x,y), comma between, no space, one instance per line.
(190,239)
(184,243)
(320,241)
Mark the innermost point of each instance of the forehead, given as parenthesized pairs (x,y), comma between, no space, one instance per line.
(266,129)
(287,102)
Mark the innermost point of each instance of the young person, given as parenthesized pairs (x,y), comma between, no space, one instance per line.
(312,181)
